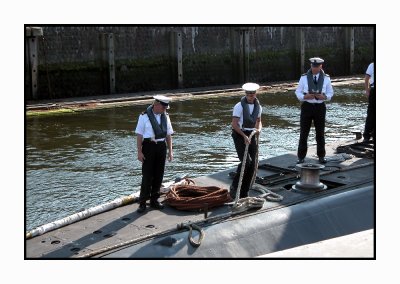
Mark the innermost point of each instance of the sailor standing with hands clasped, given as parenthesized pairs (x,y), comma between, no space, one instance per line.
(313,90)
(154,132)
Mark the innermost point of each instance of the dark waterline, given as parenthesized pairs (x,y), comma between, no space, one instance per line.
(77,161)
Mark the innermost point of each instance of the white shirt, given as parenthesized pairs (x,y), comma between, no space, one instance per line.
(370,72)
(145,129)
(303,88)
(238,112)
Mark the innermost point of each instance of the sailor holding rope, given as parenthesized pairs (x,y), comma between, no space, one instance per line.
(154,132)
(245,119)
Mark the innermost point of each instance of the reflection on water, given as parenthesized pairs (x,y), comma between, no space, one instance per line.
(76,161)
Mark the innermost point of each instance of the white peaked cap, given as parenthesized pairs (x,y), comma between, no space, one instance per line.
(162,99)
(250,87)
(316,60)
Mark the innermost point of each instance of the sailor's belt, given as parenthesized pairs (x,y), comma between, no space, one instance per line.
(321,103)
(149,140)
(247,130)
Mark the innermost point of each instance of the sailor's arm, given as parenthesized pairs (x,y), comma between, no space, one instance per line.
(258,125)
(235,126)
(139,141)
(169,145)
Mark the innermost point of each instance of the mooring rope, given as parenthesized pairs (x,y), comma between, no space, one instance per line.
(256,162)
(192,197)
(192,227)
(268,194)
(357,149)
(246,151)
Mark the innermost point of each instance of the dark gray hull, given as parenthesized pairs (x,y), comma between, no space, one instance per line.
(269,231)
(346,207)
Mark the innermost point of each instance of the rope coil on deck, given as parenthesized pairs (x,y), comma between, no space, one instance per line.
(192,197)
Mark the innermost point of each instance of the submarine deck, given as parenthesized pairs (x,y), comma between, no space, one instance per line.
(124,233)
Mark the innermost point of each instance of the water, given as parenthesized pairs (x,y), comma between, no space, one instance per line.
(77,161)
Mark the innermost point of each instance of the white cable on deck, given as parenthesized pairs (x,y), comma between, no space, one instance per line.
(82,215)
(92,211)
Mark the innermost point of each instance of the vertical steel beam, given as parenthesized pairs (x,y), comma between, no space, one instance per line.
(349,49)
(33,63)
(107,62)
(111,62)
(241,57)
(234,58)
(176,53)
(246,55)
(32,34)
(179,59)
(300,44)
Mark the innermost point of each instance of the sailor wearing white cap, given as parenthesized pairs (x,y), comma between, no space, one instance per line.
(369,83)
(313,90)
(316,61)
(246,117)
(250,87)
(154,132)
(163,100)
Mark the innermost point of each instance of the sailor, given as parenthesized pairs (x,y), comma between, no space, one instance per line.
(369,83)
(313,90)
(154,132)
(246,117)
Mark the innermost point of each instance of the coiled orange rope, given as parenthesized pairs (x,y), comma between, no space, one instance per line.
(191,197)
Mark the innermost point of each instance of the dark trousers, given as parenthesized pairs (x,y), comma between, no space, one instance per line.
(312,113)
(250,167)
(369,129)
(152,170)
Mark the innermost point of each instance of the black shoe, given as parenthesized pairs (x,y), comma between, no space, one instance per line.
(156,205)
(300,161)
(142,208)
(232,192)
(322,160)
(232,174)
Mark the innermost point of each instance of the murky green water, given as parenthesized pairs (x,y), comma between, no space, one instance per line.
(76,161)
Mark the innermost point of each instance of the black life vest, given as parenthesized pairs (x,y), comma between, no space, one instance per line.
(312,87)
(160,130)
(249,120)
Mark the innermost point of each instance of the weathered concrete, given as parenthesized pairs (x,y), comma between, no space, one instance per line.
(71,61)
